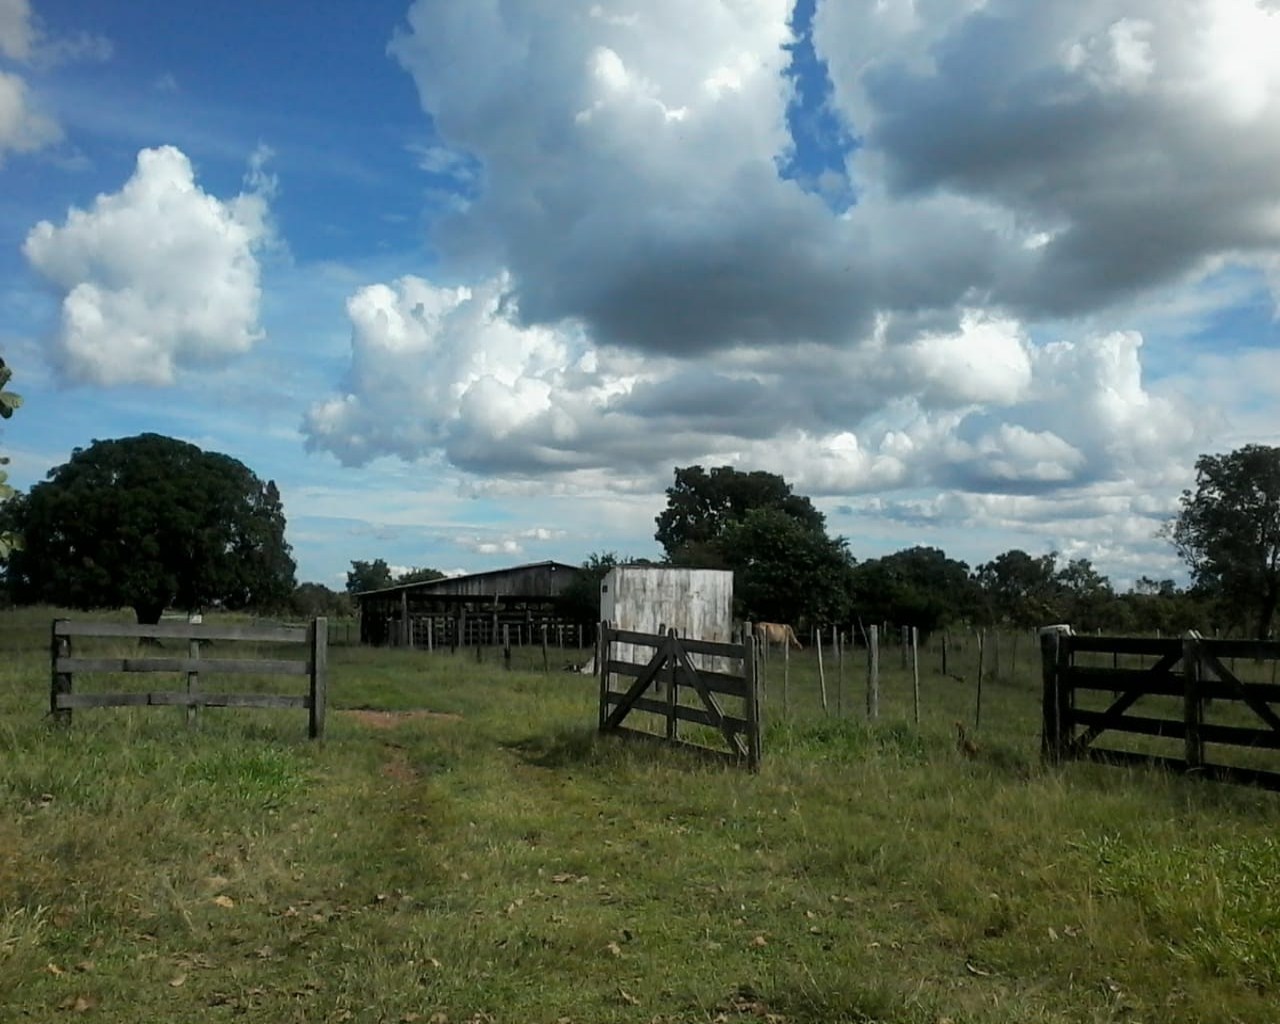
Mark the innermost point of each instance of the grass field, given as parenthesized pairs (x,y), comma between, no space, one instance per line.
(465,849)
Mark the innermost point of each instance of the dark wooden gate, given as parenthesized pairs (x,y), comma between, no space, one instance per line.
(1194,669)
(669,673)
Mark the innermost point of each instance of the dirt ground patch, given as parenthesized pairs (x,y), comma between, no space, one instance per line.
(390,719)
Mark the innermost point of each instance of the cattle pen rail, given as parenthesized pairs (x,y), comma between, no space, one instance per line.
(65,666)
(672,667)
(1179,676)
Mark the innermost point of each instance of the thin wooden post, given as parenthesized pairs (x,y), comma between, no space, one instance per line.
(835,630)
(431,629)
(193,678)
(59,682)
(873,674)
(506,647)
(1013,657)
(752,701)
(786,677)
(915,672)
(406,630)
(945,639)
(822,675)
(1052,731)
(318,672)
(546,662)
(995,653)
(1192,703)
(603,645)
(977,710)
(673,698)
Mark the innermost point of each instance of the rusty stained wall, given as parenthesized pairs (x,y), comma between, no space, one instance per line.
(696,603)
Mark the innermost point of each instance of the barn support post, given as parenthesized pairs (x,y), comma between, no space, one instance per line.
(406,628)
(1192,702)
(546,662)
(506,647)
(318,676)
(873,674)
(59,682)
(1052,734)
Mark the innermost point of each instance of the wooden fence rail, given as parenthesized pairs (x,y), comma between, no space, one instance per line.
(1192,668)
(672,667)
(65,666)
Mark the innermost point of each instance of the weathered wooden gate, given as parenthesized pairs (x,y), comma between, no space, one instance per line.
(671,668)
(1193,669)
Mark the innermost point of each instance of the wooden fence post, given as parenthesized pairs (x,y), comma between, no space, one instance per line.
(786,677)
(1052,737)
(982,644)
(193,678)
(603,646)
(673,697)
(835,630)
(873,674)
(546,663)
(1192,704)
(319,676)
(822,675)
(506,647)
(59,682)
(752,702)
(915,672)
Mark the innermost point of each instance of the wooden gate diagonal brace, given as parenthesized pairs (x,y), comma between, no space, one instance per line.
(642,683)
(1259,707)
(1113,714)
(708,698)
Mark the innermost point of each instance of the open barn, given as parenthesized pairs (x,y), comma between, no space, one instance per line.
(518,603)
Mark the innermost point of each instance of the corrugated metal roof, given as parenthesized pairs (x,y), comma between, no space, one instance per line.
(450,580)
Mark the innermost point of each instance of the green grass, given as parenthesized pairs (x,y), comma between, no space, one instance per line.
(498,861)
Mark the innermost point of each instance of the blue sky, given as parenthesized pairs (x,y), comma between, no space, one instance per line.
(468,280)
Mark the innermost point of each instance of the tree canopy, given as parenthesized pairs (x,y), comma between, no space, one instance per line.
(362,576)
(702,505)
(150,522)
(918,586)
(1228,531)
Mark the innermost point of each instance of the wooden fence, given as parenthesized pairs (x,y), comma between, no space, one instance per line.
(672,668)
(1194,671)
(65,666)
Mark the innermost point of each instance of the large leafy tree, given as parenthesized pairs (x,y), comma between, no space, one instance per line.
(364,576)
(1228,530)
(785,570)
(701,505)
(149,522)
(918,587)
(1020,589)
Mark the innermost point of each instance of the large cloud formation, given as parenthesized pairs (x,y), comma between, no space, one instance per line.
(646,286)
(158,276)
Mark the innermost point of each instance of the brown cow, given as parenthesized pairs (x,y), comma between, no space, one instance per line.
(777,633)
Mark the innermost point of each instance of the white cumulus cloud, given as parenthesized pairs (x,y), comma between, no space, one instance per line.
(157,277)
